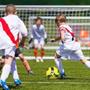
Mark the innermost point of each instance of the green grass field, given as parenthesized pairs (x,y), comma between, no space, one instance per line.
(78,77)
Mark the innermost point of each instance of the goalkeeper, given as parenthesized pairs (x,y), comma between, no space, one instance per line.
(39,36)
(69,46)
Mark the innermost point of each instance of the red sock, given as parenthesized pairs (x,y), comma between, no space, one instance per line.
(42,52)
(35,52)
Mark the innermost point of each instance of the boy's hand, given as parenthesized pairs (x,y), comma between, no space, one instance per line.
(45,40)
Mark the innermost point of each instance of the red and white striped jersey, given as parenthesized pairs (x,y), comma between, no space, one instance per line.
(10,27)
(68,33)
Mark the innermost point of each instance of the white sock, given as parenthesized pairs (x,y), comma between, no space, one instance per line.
(5,72)
(87,63)
(59,65)
(14,70)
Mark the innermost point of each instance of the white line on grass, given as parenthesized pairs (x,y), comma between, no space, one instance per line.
(55,83)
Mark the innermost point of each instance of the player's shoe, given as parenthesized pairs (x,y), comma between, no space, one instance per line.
(17,82)
(41,59)
(4,85)
(37,60)
(31,72)
(62,75)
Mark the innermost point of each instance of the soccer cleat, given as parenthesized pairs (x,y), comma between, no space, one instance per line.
(4,85)
(17,82)
(37,60)
(62,75)
(31,72)
(41,60)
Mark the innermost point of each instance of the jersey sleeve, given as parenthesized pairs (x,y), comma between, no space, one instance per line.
(45,33)
(62,29)
(23,29)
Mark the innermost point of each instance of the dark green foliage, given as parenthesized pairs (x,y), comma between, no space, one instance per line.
(46,2)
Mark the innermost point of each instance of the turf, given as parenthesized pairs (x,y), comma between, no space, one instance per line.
(78,77)
(49,52)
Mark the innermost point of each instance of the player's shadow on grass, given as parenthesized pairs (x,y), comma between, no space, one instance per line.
(13,87)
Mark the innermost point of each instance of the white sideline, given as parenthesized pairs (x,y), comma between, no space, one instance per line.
(84,83)
(46,58)
(55,47)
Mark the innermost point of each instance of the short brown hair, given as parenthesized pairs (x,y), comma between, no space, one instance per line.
(61,18)
(10,8)
(38,18)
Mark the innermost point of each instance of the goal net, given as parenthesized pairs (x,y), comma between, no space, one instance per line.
(79,25)
(78,17)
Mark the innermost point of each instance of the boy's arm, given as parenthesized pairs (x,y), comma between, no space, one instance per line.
(23,31)
(32,36)
(61,37)
(45,35)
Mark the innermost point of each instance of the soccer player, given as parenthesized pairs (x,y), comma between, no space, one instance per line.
(10,27)
(69,46)
(39,36)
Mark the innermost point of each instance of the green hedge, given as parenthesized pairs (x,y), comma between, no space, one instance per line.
(46,2)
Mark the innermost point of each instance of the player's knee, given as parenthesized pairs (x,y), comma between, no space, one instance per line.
(8,59)
(21,57)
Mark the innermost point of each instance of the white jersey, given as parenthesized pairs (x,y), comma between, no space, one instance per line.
(69,48)
(69,42)
(16,26)
(68,33)
(38,32)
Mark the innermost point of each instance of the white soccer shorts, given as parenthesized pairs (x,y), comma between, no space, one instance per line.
(39,43)
(69,53)
(9,51)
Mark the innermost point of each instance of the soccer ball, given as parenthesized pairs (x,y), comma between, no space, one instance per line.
(52,73)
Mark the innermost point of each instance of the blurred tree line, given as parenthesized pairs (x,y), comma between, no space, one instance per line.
(46,2)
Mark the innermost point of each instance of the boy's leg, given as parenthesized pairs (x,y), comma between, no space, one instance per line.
(9,55)
(14,70)
(36,50)
(15,73)
(58,62)
(6,68)
(82,58)
(19,54)
(42,53)
(25,63)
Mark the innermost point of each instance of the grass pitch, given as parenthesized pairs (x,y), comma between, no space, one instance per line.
(78,77)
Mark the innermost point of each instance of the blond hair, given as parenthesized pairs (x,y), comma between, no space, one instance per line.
(10,9)
(61,18)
